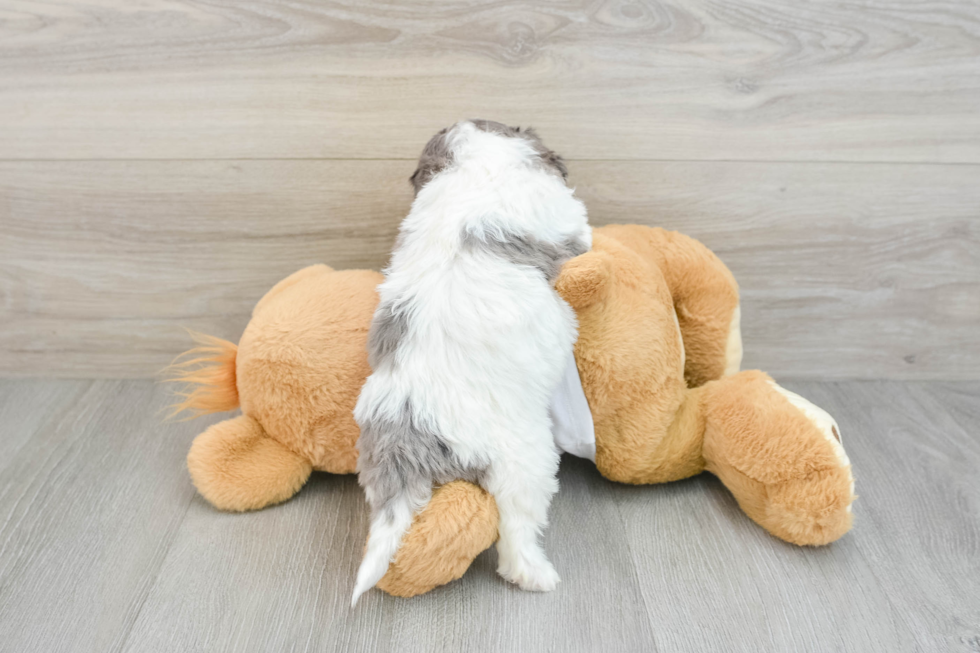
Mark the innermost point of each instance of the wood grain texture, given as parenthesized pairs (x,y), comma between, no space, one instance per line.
(163,163)
(105,547)
(917,443)
(859,271)
(285,577)
(92,491)
(610,79)
(846,270)
(102,265)
(886,586)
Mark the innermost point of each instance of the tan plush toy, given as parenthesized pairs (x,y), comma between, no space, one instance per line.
(658,355)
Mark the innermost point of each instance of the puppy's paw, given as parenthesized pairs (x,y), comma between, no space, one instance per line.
(539,576)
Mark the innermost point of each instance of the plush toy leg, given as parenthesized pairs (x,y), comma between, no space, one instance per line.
(780,456)
(236,466)
(641,452)
(705,298)
(458,524)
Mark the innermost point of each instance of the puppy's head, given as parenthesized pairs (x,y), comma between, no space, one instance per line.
(436,157)
(460,142)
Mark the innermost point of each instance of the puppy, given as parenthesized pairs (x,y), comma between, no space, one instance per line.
(469,342)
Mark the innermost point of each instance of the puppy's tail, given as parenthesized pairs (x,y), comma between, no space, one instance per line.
(388,525)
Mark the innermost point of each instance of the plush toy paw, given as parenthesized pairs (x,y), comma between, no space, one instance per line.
(821,419)
(815,510)
(537,575)
(236,466)
(781,456)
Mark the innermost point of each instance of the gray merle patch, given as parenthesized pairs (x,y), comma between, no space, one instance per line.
(405,455)
(528,251)
(550,159)
(435,158)
(388,328)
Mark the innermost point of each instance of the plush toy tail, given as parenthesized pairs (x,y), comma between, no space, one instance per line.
(209,371)
(388,526)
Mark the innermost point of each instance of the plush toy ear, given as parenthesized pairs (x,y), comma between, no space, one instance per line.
(584,279)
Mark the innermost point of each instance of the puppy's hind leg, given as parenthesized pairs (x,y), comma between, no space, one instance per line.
(523,489)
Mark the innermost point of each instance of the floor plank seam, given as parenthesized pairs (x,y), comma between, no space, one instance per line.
(58,456)
(12,455)
(881,585)
(124,642)
(636,573)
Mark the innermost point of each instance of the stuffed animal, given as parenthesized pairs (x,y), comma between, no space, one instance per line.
(658,353)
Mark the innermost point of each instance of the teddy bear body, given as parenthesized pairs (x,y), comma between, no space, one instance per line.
(658,355)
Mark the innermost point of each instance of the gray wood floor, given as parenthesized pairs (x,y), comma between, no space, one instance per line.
(104,546)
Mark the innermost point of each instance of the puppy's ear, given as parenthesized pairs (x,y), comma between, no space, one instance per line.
(584,280)
(554,160)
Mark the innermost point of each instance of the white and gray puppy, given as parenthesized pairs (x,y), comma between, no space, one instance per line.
(469,342)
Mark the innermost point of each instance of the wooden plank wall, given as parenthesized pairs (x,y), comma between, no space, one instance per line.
(163,163)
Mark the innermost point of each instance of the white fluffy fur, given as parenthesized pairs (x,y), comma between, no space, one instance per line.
(487,342)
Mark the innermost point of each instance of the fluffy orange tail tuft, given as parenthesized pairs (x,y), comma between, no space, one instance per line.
(209,371)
